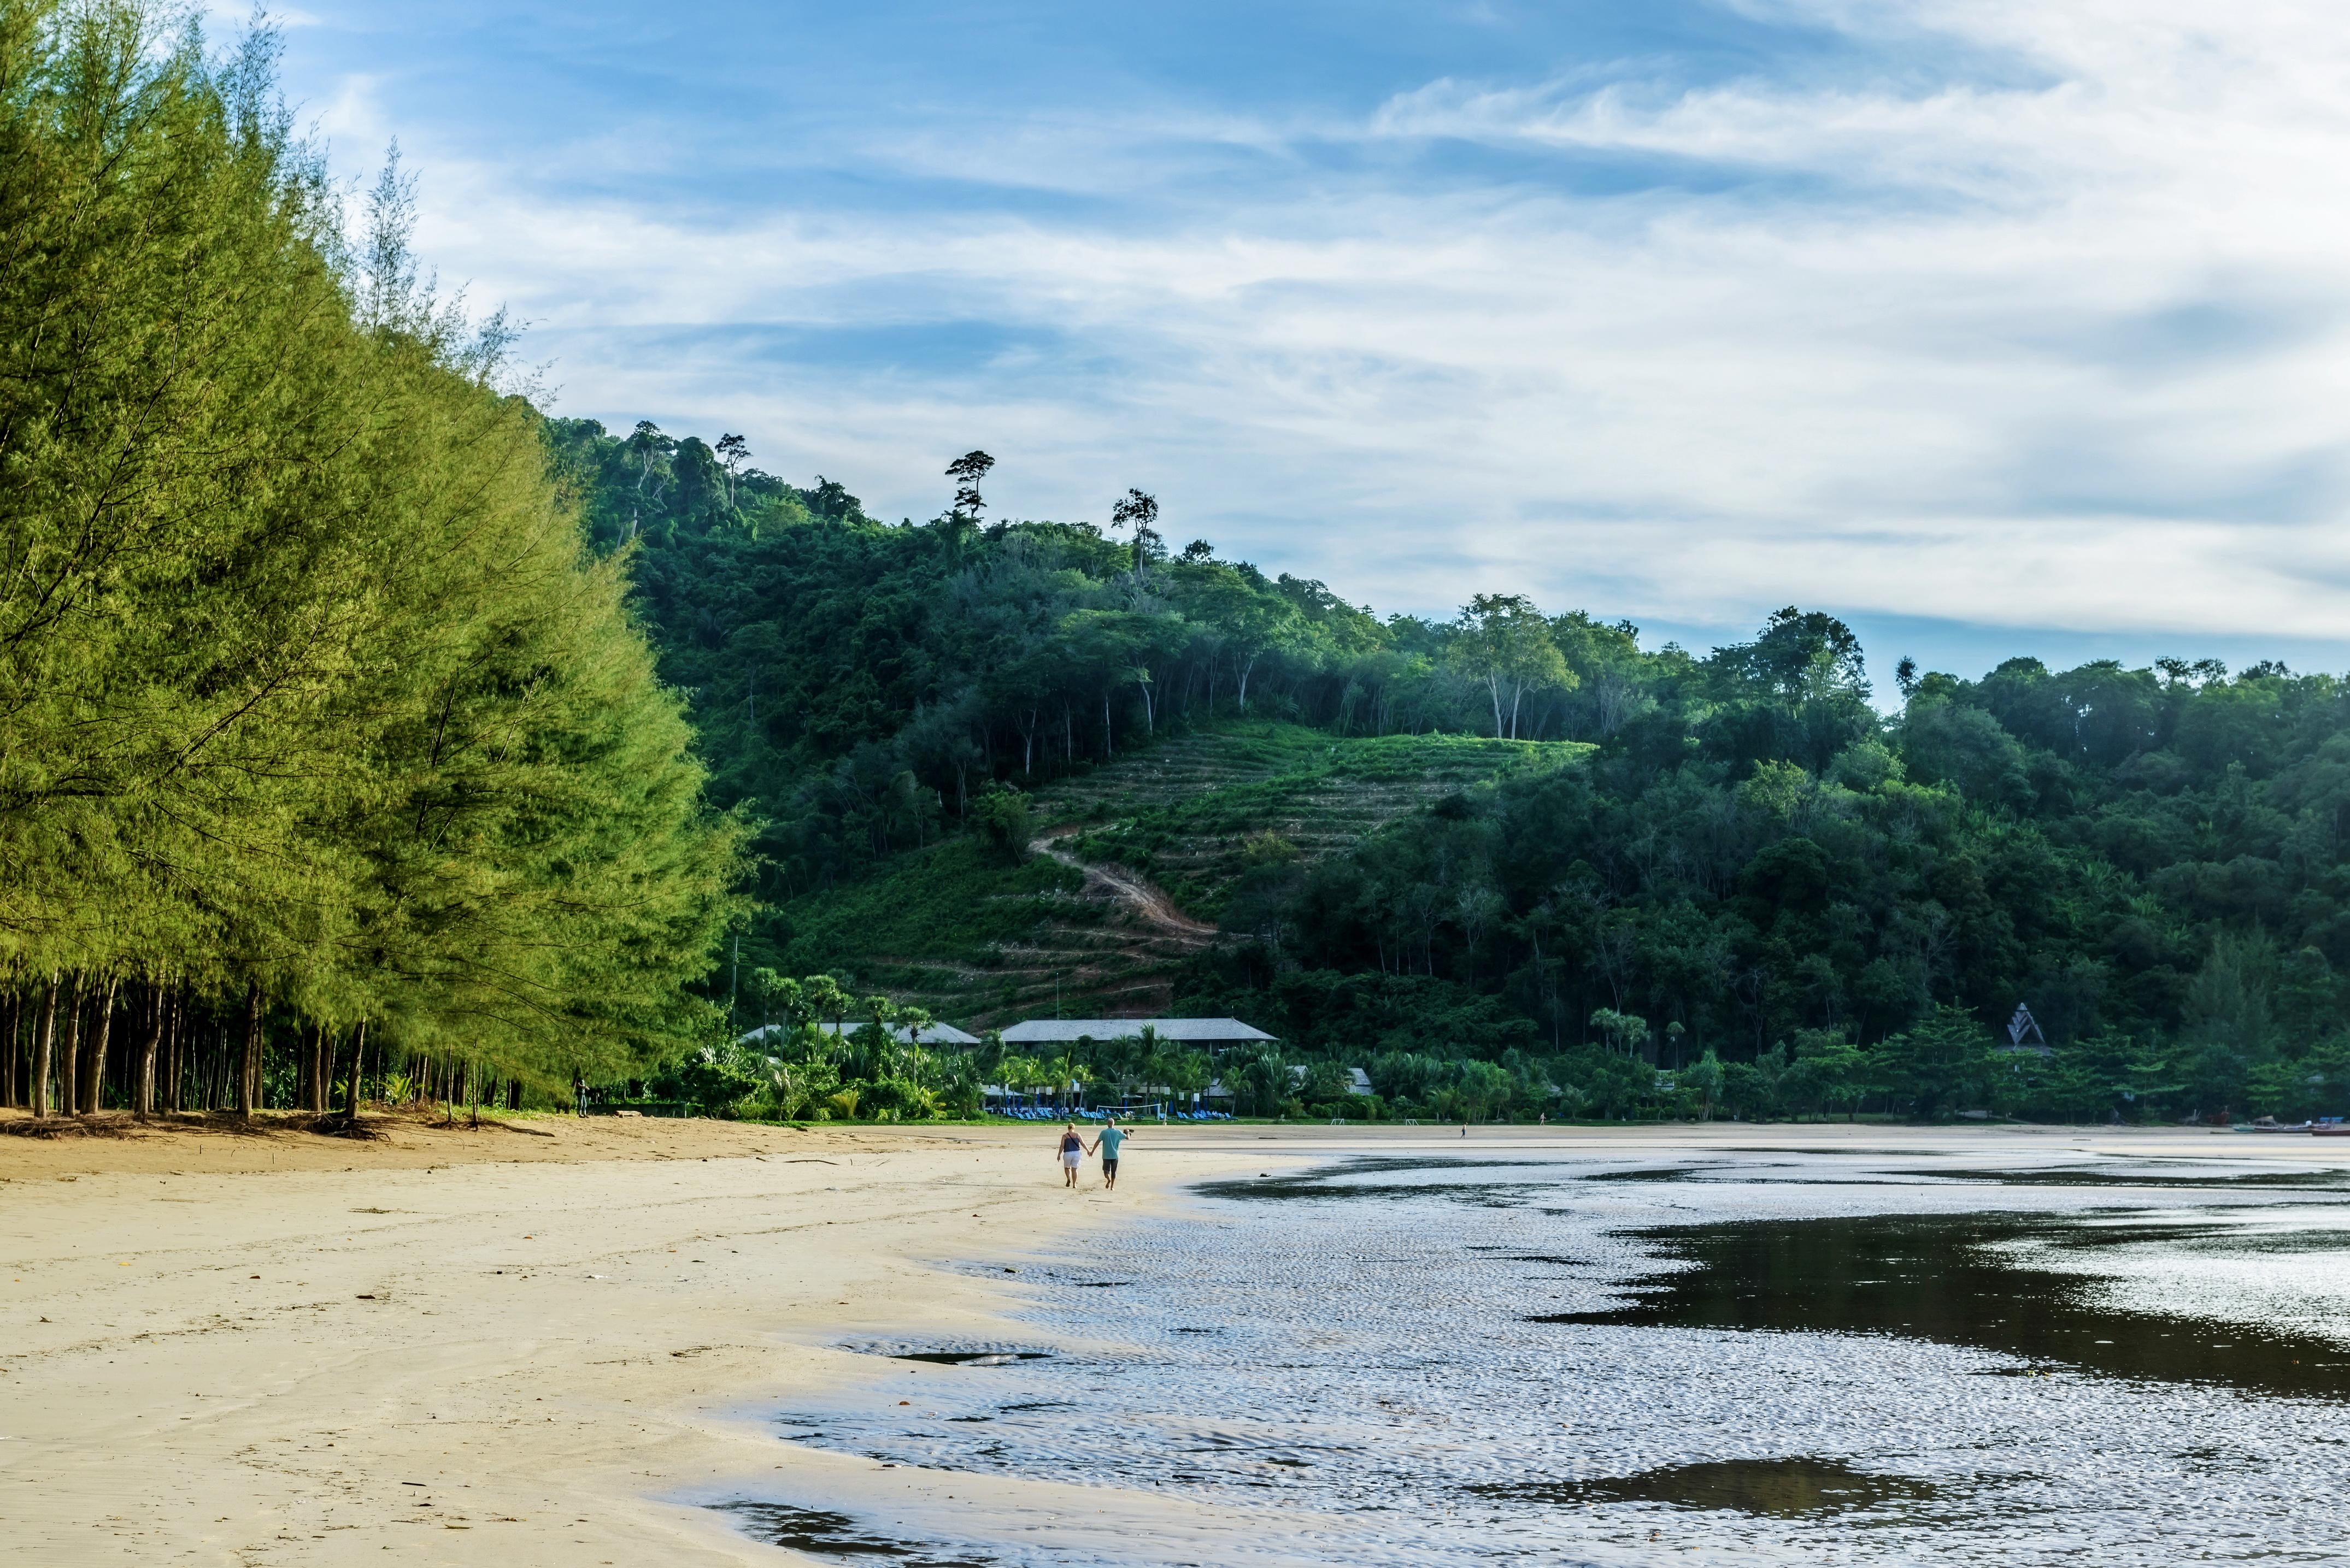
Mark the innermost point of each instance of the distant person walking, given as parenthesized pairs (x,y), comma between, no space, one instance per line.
(1112,1136)
(1073,1153)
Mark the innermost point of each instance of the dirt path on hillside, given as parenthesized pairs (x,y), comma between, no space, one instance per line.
(1155,906)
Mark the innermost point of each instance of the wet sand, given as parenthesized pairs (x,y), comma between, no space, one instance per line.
(1749,1346)
(455,1346)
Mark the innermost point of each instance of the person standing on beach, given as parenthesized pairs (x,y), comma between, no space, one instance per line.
(1073,1153)
(1111,1137)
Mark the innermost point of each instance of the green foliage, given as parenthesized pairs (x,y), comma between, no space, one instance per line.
(1505,645)
(1937,1063)
(715,1078)
(1832,907)
(1001,817)
(1279,794)
(955,902)
(311,693)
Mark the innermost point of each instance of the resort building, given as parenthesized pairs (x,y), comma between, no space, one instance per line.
(935,1035)
(1210,1035)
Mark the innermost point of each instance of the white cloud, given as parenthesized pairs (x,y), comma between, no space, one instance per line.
(2063,347)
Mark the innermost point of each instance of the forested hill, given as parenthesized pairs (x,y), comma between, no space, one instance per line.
(862,681)
(1754,863)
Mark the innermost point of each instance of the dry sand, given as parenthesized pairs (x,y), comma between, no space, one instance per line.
(233,1347)
(546,1347)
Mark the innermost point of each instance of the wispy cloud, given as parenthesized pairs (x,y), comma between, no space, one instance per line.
(2011,315)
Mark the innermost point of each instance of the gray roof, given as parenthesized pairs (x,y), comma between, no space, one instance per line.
(1189,1031)
(936,1034)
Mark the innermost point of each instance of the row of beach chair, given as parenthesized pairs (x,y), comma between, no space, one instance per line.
(1048,1114)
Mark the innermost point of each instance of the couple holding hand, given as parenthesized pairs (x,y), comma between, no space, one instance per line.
(1074,1150)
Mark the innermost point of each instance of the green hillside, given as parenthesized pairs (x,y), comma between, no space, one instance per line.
(1139,860)
(1196,814)
(1757,876)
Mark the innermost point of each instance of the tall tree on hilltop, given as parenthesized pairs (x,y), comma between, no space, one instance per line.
(1138,511)
(651,449)
(967,470)
(734,452)
(1504,642)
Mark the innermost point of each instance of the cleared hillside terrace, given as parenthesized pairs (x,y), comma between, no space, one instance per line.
(1132,864)
(1194,814)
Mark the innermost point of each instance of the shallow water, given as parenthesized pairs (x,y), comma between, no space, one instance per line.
(1787,1487)
(820,1532)
(1765,1356)
(1986,1279)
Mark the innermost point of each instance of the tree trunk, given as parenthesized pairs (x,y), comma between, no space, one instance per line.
(248,1077)
(69,1053)
(93,1076)
(322,1056)
(358,1065)
(44,1041)
(143,1097)
(176,1054)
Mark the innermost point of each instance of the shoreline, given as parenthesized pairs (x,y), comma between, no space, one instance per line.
(575,1341)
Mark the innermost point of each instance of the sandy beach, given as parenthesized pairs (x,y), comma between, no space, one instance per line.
(277,1348)
(549,1343)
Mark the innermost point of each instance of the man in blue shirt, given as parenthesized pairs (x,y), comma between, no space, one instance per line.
(1111,1137)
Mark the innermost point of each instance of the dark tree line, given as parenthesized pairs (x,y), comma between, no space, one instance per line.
(1756,865)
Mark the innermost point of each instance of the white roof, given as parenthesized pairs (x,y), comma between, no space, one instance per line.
(936,1034)
(1188,1031)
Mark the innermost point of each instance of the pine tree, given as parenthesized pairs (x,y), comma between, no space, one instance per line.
(315,714)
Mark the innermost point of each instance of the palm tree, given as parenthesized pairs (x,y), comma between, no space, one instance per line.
(1265,1075)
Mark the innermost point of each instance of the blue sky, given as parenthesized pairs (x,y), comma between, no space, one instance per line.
(1994,326)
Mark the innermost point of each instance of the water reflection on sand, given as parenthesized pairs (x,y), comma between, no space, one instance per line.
(1750,1355)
